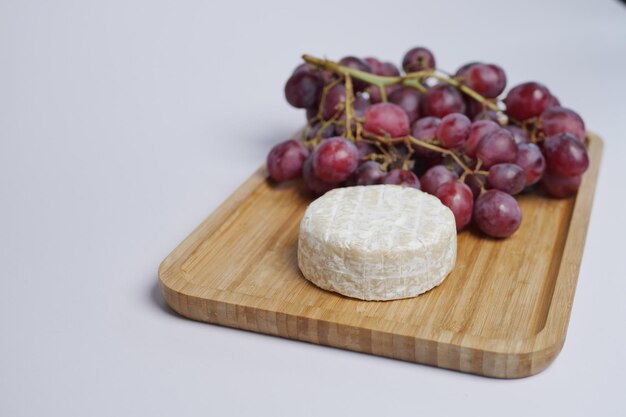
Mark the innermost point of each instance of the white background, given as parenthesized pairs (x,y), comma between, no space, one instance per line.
(123,124)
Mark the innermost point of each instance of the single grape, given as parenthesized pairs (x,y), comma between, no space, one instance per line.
(453,130)
(386,119)
(509,178)
(424,129)
(556,120)
(304,67)
(285,160)
(461,71)
(382,68)
(553,102)
(364,149)
(436,176)
(441,100)
(401,177)
(519,135)
(369,173)
(486,114)
(487,80)
(527,100)
(335,159)
(458,198)
(497,147)
(326,132)
(314,184)
(478,131)
(303,89)
(560,186)
(497,214)
(335,98)
(360,104)
(531,160)
(358,64)
(409,99)
(565,154)
(418,59)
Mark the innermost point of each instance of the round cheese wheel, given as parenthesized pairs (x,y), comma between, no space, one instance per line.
(377,242)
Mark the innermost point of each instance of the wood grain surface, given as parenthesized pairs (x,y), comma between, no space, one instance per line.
(503,311)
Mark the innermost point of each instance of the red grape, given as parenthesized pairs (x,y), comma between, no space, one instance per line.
(401,177)
(443,99)
(335,159)
(435,177)
(424,129)
(553,102)
(409,99)
(561,120)
(418,59)
(497,214)
(509,178)
(382,68)
(386,119)
(486,79)
(335,97)
(314,184)
(368,173)
(519,135)
(531,160)
(527,100)
(303,89)
(458,198)
(285,160)
(565,154)
(477,133)
(560,186)
(497,147)
(453,130)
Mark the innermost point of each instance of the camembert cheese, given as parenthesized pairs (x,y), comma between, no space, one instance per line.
(378,242)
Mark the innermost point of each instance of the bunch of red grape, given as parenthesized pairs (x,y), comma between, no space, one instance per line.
(448,135)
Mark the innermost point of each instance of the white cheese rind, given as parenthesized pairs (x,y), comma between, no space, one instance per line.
(380,242)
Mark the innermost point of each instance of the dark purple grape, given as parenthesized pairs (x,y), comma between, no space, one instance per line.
(497,147)
(409,99)
(386,119)
(519,135)
(304,67)
(360,104)
(478,131)
(418,59)
(560,186)
(334,100)
(476,183)
(509,178)
(459,199)
(364,149)
(527,100)
(314,184)
(327,132)
(435,177)
(422,164)
(556,120)
(424,129)
(285,160)
(357,64)
(453,130)
(497,214)
(303,89)
(441,100)
(530,158)
(335,159)
(401,177)
(487,80)
(565,155)
(369,173)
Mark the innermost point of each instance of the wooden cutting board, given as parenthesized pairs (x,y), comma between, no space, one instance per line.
(502,312)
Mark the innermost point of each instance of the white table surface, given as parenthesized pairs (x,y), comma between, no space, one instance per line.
(123,124)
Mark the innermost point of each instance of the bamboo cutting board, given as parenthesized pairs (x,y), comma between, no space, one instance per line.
(502,312)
